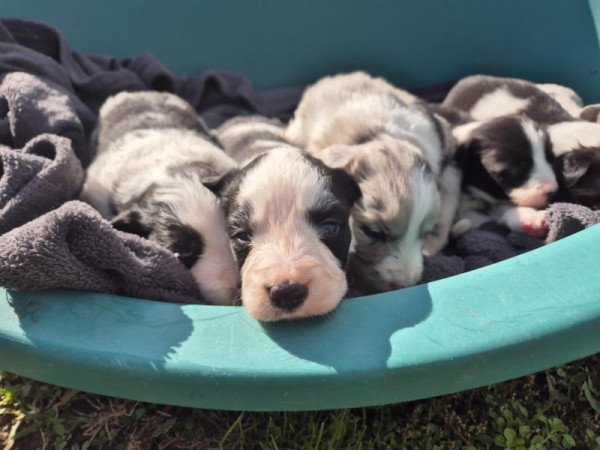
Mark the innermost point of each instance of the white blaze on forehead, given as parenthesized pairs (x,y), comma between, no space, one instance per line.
(281,189)
(542,180)
(542,170)
(283,184)
(567,136)
(497,103)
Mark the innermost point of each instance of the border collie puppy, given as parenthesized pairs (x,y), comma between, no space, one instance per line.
(574,142)
(401,156)
(507,161)
(288,219)
(148,178)
(245,137)
(486,97)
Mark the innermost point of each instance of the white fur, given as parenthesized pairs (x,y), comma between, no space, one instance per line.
(542,180)
(567,136)
(497,103)
(567,98)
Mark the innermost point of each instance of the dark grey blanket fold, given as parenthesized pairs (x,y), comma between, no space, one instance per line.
(36,179)
(72,247)
(46,117)
(492,243)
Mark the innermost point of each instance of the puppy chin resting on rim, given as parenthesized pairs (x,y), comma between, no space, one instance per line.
(288,219)
(148,177)
(401,156)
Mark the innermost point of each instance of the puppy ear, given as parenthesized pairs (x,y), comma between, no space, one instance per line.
(462,133)
(573,165)
(339,156)
(591,113)
(218,183)
(346,186)
(130,221)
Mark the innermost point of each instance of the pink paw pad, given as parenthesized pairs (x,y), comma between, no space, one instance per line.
(535,224)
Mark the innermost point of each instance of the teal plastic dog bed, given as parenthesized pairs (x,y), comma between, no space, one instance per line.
(522,315)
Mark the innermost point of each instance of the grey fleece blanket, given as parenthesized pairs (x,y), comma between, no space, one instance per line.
(49,97)
(491,243)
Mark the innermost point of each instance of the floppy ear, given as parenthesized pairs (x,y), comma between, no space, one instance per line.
(339,156)
(574,165)
(462,133)
(348,187)
(216,184)
(590,113)
(130,221)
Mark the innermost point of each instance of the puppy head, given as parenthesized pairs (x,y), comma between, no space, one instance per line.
(288,220)
(399,206)
(579,176)
(508,157)
(186,218)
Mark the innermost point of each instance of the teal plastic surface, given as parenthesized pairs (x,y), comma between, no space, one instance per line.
(516,317)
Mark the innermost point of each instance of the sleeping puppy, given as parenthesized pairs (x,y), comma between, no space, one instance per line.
(572,129)
(148,178)
(287,216)
(245,137)
(401,156)
(507,169)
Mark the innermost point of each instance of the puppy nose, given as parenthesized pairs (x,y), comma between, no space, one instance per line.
(288,296)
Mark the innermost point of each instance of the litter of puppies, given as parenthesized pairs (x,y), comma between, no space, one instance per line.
(360,187)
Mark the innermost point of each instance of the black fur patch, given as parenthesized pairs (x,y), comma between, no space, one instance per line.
(578,174)
(180,239)
(339,214)
(498,156)
(240,231)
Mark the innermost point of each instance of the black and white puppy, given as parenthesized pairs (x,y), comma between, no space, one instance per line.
(572,129)
(401,156)
(148,177)
(506,161)
(288,219)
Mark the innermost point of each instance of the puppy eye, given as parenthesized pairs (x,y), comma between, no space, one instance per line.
(328,229)
(375,235)
(243,237)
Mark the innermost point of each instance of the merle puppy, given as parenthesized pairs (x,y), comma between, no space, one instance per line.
(401,156)
(245,137)
(149,176)
(287,216)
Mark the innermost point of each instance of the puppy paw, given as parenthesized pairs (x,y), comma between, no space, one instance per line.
(460,227)
(434,244)
(529,221)
(534,223)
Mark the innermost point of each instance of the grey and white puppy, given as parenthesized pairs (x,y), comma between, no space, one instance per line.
(245,137)
(401,155)
(149,176)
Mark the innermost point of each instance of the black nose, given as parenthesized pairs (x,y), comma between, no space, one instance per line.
(288,296)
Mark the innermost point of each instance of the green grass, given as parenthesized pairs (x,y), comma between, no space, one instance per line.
(557,409)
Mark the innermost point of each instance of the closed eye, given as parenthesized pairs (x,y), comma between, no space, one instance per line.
(374,234)
(242,237)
